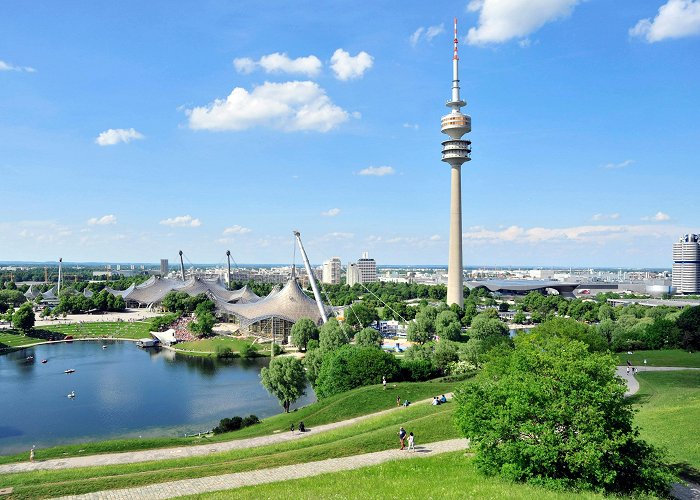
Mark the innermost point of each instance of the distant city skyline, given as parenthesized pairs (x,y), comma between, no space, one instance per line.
(130,131)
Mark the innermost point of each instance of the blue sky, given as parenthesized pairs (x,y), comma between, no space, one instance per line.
(130,130)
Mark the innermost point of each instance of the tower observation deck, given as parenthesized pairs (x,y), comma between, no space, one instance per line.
(455,151)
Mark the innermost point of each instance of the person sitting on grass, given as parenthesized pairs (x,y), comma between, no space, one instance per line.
(301,427)
(406,403)
(443,399)
(435,401)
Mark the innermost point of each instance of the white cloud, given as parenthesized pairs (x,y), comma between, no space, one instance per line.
(288,106)
(426,33)
(589,234)
(613,216)
(617,166)
(378,171)
(435,237)
(102,221)
(336,236)
(181,221)
(331,213)
(115,136)
(236,229)
(5,66)
(659,216)
(676,19)
(280,63)
(503,20)
(347,67)
(414,126)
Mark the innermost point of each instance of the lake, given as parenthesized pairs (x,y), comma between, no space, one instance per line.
(122,391)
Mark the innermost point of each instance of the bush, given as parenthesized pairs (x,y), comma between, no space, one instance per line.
(416,370)
(160,323)
(277,349)
(224,352)
(234,424)
(553,413)
(349,367)
(249,351)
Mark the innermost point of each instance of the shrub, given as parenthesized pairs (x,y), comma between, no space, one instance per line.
(224,352)
(277,349)
(249,351)
(416,370)
(250,420)
(235,423)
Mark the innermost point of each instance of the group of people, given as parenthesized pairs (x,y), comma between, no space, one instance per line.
(404,404)
(302,428)
(439,400)
(411,440)
(182,332)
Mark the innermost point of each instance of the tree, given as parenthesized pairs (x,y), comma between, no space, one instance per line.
(359,315)
(571,329)
(484,327)
(519,318)
(205,320)
(551,412)
(23,317)
(303,331)
(503,306)
(284,379)
(422,328)
(313,359)
(447,326)
(689,323)
(349,367)
(445,352)
(331,336)
(368,337)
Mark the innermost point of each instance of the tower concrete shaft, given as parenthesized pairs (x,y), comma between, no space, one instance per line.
(455,151)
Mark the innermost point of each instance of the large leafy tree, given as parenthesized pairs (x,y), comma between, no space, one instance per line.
(303,331)
(422,329)
(485,327)
(331,335)
(448,326)
(360,315)
(350,367)
(552,412)
(368,337)
(572,329)
(284,379)
(23,317)
(689,324)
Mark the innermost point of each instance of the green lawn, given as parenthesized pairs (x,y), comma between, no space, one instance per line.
(452,475)
(210,345)
(429,423)
(12,338)
(116,329)
(668,357)
(669,412)
(362,401)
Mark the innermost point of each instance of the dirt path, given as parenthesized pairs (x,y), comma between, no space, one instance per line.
(186,451)
(285,473)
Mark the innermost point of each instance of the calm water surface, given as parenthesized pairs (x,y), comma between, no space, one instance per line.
(122,391)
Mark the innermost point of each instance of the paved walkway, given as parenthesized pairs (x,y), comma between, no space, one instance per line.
(185,451)
(229,481)
(633,385)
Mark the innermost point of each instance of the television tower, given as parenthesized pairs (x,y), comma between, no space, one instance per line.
(455,151)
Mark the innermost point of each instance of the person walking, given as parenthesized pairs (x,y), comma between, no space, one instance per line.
(31,454)
(411,443)
(402,437)
(398,400)
(384,382)
(291,428)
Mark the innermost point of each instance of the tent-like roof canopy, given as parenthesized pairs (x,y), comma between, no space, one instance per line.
(290,303)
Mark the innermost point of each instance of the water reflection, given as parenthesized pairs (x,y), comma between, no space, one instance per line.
(122,390)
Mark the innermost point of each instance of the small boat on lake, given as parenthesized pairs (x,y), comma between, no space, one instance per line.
(69,370)
(29,358)
(71,395)
(44,360)
(104,347)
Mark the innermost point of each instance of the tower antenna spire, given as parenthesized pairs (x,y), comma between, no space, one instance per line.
(455,152)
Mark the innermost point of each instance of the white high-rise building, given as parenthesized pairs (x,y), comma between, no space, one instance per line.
(331,271)
(686,264)
(352,275)
(367,268)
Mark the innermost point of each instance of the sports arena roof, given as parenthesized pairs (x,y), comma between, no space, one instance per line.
(524,286)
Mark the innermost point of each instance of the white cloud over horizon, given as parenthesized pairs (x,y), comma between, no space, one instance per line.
(675,19)
(658,216)
(181,221)
(617,166)
(503,20)
(102,221)
(277,62)
(377,171)
(598,217)
(113,136)
(288,106)
(236,229)
(347,67)
(331,212)
(581,234)
(5,66)
(426,33)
